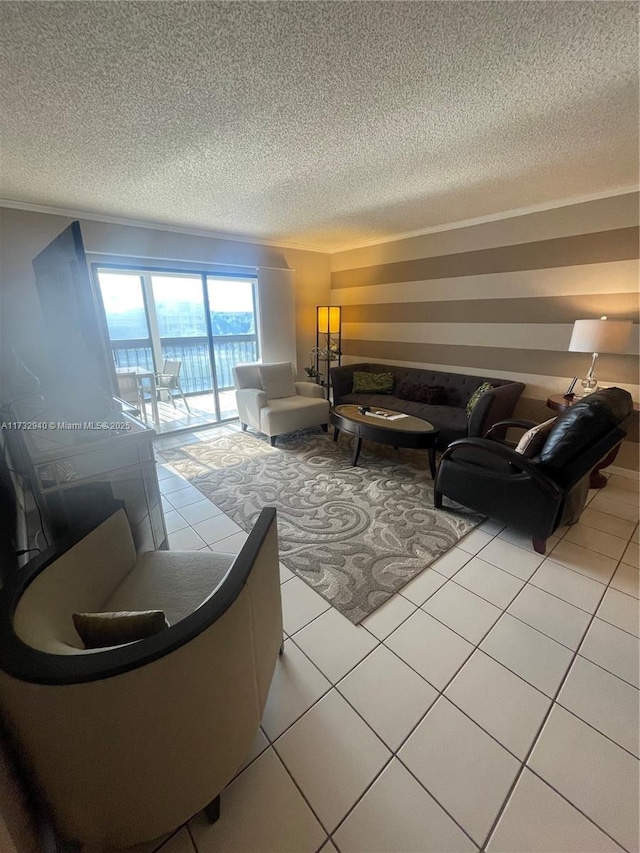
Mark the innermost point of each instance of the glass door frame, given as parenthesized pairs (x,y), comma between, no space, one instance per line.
(213,338)
(145,272)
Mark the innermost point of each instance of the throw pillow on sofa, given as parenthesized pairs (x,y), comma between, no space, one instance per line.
(435,395)
(372,383)
(473,400)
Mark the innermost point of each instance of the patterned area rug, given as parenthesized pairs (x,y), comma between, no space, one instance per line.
(356,535)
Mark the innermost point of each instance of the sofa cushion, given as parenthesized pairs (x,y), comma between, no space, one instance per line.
(532,442)
(494,406)
(99,630)
(451,421)
(277,380)
(434,394)
(459,386)
(475,397)
(372,383)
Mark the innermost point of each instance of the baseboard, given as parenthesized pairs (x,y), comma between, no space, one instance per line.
(622,472)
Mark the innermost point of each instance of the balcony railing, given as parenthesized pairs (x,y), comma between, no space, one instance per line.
(195,373)
(230,350)
(132,353)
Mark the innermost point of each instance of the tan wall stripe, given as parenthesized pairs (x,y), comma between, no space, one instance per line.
(600,247)
(544,309)
(503,309)
(487,358)
(604,214)
(529,336)
(577,281)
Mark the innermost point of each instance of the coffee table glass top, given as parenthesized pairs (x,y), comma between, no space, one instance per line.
(407,423)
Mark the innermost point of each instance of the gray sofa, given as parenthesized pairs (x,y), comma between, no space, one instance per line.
(451,419)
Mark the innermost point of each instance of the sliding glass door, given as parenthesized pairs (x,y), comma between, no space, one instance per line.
(202,324)
(232,312)
(127,323)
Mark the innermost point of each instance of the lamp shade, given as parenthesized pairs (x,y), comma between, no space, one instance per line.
(600,335)
(329,319)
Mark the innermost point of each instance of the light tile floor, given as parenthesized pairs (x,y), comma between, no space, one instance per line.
(202,412)
(492,704)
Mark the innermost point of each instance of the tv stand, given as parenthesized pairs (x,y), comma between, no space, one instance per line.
(73,472)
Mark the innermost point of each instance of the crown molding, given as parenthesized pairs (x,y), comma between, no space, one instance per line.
(237,238)
(491,217)
(155,226)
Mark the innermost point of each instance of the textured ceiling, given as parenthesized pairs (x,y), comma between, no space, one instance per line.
(320,124)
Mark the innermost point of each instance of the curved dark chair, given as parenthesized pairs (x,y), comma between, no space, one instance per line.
(125,743)
(536,495)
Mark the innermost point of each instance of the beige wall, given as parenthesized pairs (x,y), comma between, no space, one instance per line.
(499,299)
(23,234)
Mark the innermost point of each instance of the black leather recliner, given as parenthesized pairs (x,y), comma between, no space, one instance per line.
(536,495)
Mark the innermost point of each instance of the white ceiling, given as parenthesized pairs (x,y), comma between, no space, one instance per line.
(312,123)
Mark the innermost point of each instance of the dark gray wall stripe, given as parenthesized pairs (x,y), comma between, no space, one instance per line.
(485,359)
(542,309)
(620,244)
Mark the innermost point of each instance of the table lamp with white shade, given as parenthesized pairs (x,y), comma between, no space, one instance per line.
(596,336)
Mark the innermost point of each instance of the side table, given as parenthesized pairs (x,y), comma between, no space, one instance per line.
(558,403)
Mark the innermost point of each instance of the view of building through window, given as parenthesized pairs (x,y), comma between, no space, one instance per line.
(124,306)
(153,316)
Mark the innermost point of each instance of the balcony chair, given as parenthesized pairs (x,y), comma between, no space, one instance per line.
(124,743)
(169,380)
(130,390)
(544,482)
(272,402)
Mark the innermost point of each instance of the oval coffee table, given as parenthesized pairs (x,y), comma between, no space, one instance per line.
(406,431)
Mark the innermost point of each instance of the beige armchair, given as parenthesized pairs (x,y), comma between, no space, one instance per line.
(125,743)
(272,402)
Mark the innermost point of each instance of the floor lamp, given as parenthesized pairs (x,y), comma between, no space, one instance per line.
(328,339)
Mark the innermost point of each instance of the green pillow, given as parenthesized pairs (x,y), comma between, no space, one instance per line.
(372,383)
(473,400)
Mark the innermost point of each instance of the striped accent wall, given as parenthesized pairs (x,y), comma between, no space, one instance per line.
(501,311)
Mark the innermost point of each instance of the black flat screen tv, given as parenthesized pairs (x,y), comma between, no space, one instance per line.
(8,520)
(75,324)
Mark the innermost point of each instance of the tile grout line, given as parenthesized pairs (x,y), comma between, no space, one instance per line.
(591,726)
(513,616)
(301,792)
(271,744)
(166,840)
(369,726)
(191,836)
(577,808)
(613,624)
(536,739)
(440,693)
(476,647)
(394,753)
